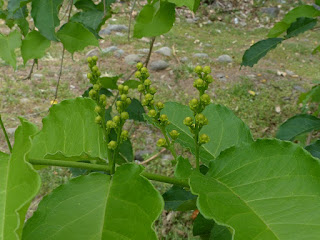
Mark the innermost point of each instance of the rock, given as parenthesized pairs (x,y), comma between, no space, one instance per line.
(24,100)
(221,77)
(316,6)
(167,157)
(178,20)
(93,52)
(109,49)
(158,65)
(224,59)
(113,28)
(299,88)
(290,73)
(184,59)
(208,45)
(271,11)
(132,59)
(165,51)
(144,50)
(11,131)
(144,39)
(119,53)
(200,55)
(157,44)
(120,34)
(251,76)
(37,75)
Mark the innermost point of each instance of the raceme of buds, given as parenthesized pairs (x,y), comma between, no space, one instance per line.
(174,134)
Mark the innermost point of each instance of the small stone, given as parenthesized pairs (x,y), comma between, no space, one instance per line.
(120,34)
(290,73)
(93,52)
(109,49)
(167,157)
(221,77)
(208,45)
(72,86)
(11,131)
(37,75)
(271,11)
(165,51)
(144,50)
(224,59)
(278,109)
(200,55)
(252,76)
(299,88)
(113,28)
(132,59)
(144,39)
(184,59)
(158,65)
(281,74)
(24,100)
(178,20)
(119,53)
(157,44)
(190,20)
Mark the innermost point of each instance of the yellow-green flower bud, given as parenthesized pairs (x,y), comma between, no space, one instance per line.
(97,109)
(103,98)
(205,99)
(198,69)
(149,97)
(201,120)
(147,82)
(188,121)
(160,105)
(96,87)
(92,93)
(98,73)
(199,83)
(204,138)
(141,88)
(124,135)
(128,101)
(124,115)
(89,59)
(207,70)
(89,76)
(111,124)
(163,118)
(95,58)
(125,89)
(145,102)
(193,104)
(174,134)
(123,97)
(112,145)
(152,113)
(161,142)
(120,87)
(139,65)
(144,70)
(98,119)
(119,104)
(147,74)
(95,69)
(116,119)
(209,79)
(137,74)
(152,90)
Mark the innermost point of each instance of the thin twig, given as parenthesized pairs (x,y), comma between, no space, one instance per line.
(175,55)
(130,19)
(104,8)
(309,138)
(5,135)
(31,70)
(150,51)
(153,157)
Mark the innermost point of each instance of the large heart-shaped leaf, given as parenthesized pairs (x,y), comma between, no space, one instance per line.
(314,149)
(265,190)
(224,129)
(191,4)
(19,183)
(299,124)
(97,207)
(70,131)
(7,46)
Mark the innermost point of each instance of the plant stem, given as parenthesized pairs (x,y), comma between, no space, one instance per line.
(105,168)
(113,165)
(150,51)
(5,135)
(169,144)
(196,141)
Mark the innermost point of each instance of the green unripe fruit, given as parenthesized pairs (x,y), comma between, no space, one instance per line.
(205,99)
(201,120)
(160,105)
(209,79)
(98,73)
(89,59)
(124,135)
(161,142)
(116,119)
(111,124)
(147,74)
(144,70)
(95,58)
(141,88)
(124,115)
(174,134)
(103,98)
(139,65)
(152,113)
(147,82)
(198,69)
(98,119)
(92,93)
(104,103)
(137,74)
(204,138)
(193,104)
(145,102)
(95,69)
(128,101)
(112,145)
(96,87)
(152,90)
(120,87)
(207,70)
(119,104)
(149,97)
(188,121)
(123,97)
(152,102)
(89,76)
(199,83)
(97,109)
(125,89)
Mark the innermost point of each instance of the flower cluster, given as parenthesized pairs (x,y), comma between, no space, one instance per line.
(198,105)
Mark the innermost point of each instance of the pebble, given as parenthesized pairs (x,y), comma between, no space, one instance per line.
(200,55)
(119,53)
(113,28)
(165,51)
(144,50)
(93,52)
(224,59)
(11,131)
(132,59)
(158,65)
(37,75)
(221,77)
(24,100)
(109,49)
(299,88)
(184,59)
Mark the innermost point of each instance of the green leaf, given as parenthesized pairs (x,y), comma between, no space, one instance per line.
(109,82)
(300,26)
(224,129)
(265,190)
(202,226)
(179,199)
(317,49)
(14,5)
(34,46)
(7,46)
(183,168)
(98,207)
(191,4)
(155,19)
(75,37)
(299,124)
(19,183)
(70,130)
(136,110)
(104,91)
(85,5)
(314,149)
(306,11)
(132,84)
(317,2)
(19,18)
(45,16)
(312,96)
(259,50)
